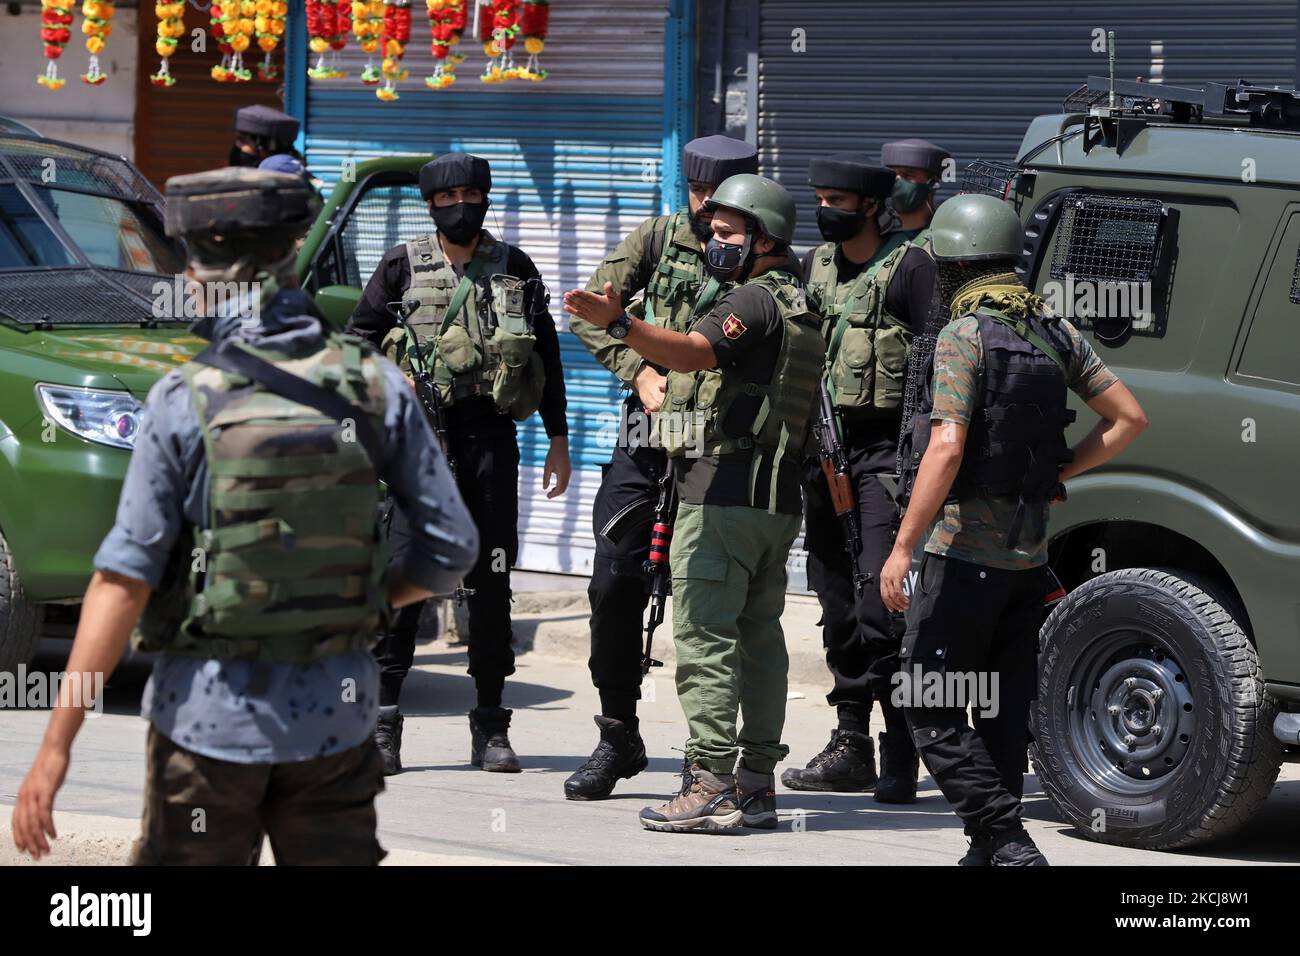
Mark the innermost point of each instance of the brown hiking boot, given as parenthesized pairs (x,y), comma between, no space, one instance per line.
(708,805)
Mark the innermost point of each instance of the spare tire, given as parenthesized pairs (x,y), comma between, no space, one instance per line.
(1152,727)
(20,620)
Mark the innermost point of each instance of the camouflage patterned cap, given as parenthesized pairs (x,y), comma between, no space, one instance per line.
(236,200)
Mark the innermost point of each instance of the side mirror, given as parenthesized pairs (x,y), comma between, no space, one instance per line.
(338,302)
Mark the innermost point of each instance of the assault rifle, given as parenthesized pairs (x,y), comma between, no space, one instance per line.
(426,390)
(635,516)
(835,465)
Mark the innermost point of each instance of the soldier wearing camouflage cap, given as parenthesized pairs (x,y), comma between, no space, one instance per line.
(742,378)
(985,454)
(875,291)
(664,258)
(246,547)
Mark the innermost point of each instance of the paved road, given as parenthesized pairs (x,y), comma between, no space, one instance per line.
(441,810)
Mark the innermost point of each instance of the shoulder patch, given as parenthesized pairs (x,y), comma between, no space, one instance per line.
(732,327)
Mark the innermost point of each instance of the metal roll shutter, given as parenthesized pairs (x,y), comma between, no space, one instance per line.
(969,77)
(575,167)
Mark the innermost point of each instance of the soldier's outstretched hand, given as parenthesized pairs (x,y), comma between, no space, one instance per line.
(599,310)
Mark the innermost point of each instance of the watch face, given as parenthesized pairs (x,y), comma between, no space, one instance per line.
(618,328)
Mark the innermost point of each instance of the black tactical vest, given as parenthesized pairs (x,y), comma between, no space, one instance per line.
(1015,445)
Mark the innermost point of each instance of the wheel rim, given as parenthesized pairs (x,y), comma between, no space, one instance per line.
(1133,717)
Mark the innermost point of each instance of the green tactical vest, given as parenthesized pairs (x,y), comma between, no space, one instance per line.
(699,402)
(471,329)
(677,290)
(866,357)
(291,564)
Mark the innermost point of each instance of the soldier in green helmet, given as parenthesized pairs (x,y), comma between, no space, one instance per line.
(738,401)
(247,547)
(985,454)
(875,291)
(664,257)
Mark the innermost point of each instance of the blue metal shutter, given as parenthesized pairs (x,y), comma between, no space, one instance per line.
(576,165)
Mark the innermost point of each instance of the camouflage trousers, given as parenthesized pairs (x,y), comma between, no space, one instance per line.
(728,566)
(206,812)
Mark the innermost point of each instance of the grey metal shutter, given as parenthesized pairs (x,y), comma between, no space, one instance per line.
(970,76)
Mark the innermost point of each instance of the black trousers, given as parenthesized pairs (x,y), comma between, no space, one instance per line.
(486,453)
(860,634)
(979,623)
(617,591)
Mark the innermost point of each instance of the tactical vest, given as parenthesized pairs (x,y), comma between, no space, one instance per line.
(714,412)
(676,291)
(1015,444)
(290,565)
(473,329)
(866,356)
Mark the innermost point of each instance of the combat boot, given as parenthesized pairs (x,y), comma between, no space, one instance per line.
(619,755)
(757,795)
(388,738)
(900,766)
(708,805)
(847,764)
(489,741)
(980,852)
(1017,850)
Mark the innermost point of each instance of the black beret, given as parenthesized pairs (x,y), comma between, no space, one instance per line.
(711,159)
(920,153)
(265,121)
(852,172)
(455,169)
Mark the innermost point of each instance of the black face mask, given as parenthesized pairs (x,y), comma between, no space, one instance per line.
(839,225)
(701,228)
(240,158)
(721,259)
(462,222)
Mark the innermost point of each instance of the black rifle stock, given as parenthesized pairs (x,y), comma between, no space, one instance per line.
(835,465)
(430,399)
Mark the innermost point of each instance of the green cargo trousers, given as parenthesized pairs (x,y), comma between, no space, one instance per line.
(728,566)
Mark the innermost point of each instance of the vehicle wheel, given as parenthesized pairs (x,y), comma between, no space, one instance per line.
(20,620)
(1152,726)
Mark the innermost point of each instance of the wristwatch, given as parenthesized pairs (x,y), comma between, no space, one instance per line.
(619,328)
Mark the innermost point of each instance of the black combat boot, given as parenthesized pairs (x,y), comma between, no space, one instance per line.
(388,738)
(980,852)
(489,740)
(1017,849)
(619,755)
(846,765)
(899,768)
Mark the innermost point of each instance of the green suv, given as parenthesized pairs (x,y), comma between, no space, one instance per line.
(89,321)
(1165,222)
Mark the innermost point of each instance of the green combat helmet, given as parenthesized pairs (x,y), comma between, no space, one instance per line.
(973,226)
(760,198)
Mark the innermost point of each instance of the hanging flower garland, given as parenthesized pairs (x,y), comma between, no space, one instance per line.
(447,19)
(217,21)
(269,24)
(396,34)
(235,20)
(171,26)
(500,20)
(98,27)
(327,23)
(56,23)
(367,25)
(536,20)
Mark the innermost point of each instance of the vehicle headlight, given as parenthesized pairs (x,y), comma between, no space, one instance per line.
(98,415)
